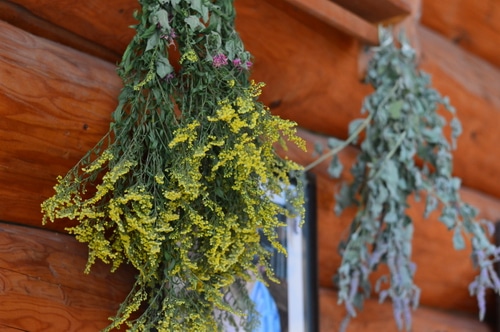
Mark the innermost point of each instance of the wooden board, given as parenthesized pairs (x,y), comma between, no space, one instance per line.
(50,136)
(43,287)
(311,71)
(104,23)
(377,317)
(472,25)
(338,17)
(23,18)
(377,10)
(55,104)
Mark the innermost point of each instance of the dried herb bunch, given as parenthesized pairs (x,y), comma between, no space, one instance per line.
(404,153)
(182,183)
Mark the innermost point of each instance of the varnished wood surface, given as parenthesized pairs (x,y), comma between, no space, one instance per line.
(472,25)
(24,19)
(340,18)
(43,287)
(376,11)
(50,136)
(55,104)
(104,23)
(312,77)
(377,317)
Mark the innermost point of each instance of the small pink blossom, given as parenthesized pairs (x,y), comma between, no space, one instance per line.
(170,37)
(219,60)
(237,62)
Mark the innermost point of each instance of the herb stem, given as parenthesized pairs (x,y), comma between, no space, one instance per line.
(341,146)
(354,135)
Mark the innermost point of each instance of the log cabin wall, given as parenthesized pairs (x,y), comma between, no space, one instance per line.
(58,88)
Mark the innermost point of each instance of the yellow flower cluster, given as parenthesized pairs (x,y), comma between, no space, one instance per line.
(188,222)
(190,56)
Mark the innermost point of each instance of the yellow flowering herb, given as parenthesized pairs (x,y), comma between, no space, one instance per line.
(182,183)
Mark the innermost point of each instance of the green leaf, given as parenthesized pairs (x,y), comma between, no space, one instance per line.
(194,22)
(391,217)
(334,142)
(163,67)
(162,18)
(458,239)
(231,49)
(395,109)
(152,41)
(335,168)
(431,203)
(448,217)
(355,125)
(318,148)
(198,6)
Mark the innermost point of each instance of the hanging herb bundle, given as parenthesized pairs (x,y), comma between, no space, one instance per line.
(182,183)
(404,152)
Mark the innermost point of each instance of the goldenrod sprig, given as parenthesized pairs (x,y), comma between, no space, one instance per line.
(182,184)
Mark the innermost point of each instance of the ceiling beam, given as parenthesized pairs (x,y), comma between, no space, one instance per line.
(376,11)
(339,18)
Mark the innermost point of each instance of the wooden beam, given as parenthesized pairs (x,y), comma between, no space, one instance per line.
(44,287)
(55,104)
(472,25)
(377,317)
(94,25)
(339,18)
(443,273)
(102,23)
(22,18)
(311,76)
(376,11)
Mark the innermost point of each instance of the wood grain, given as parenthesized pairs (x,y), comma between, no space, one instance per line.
(443,274)
(311,71)
(43,287)
(339,18)
(104,23)
(377,317)
(472,25)
(26,20)
(50,137)
(55,104)
(378,10)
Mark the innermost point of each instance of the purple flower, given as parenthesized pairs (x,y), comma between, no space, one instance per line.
(219,60)
(237,62)
(170,37)
(169,77)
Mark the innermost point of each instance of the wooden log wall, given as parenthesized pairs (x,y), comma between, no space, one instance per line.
(43,287)
(55,103)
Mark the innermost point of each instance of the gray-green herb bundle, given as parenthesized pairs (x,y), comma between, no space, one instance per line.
(404,152)
(183,182)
